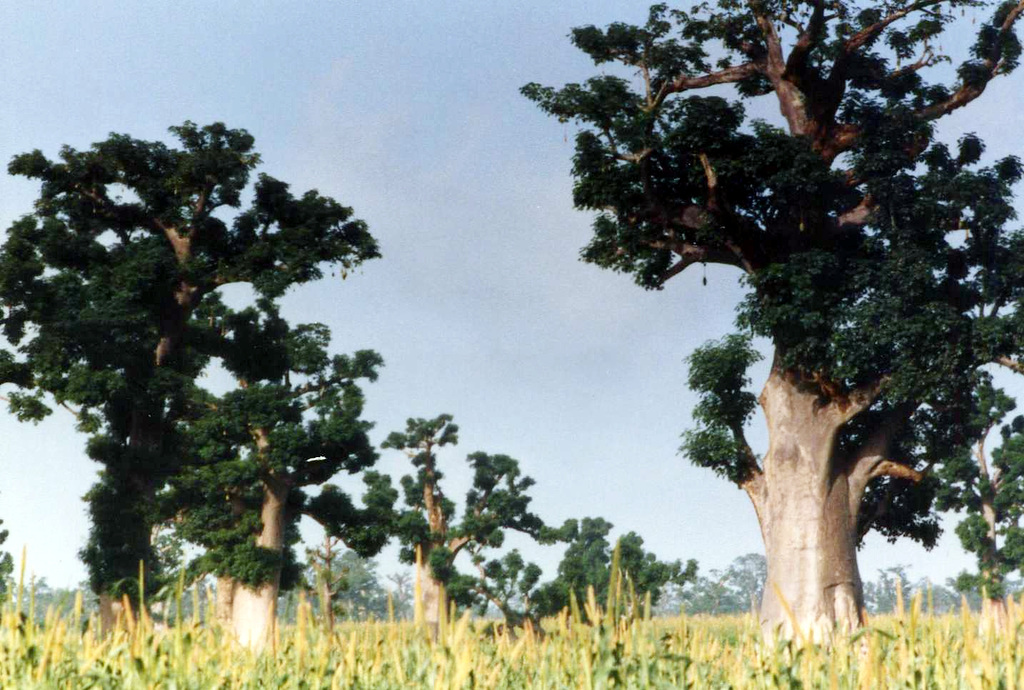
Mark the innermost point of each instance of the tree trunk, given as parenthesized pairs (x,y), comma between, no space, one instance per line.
(109,610)
(254,611)
(226,586)
(430,594)
(807,509)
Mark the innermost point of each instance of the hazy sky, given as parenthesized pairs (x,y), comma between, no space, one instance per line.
(411,113)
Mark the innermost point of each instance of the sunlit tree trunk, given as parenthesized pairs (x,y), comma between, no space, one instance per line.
(254,610)
(807,499)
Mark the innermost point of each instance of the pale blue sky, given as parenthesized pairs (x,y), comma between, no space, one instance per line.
(410,113)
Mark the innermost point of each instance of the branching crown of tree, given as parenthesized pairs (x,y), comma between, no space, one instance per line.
(496,502)
(988,485)
(127,240)
(294,421)
(587,563)
(877,260)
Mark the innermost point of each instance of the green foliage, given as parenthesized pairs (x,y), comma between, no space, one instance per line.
(293,422)
(350,582)
(101,284)
(718,372)
(877,262)
(988,489)
(496,502)
(587,562)
(736,590)
(6,566)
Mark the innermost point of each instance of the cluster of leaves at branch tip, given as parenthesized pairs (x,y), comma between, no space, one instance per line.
(110,295)
(874,257)
(718,374)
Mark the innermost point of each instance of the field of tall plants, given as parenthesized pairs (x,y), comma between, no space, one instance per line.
(589,646)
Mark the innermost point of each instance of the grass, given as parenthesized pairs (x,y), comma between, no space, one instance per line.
(585,649)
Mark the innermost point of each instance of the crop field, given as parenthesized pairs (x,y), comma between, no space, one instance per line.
(585,648)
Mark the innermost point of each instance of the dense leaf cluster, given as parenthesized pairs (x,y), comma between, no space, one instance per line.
(101,288)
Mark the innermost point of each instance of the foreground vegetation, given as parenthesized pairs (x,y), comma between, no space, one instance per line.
(587,648)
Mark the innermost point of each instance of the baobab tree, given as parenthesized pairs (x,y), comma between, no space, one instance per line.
(100,285)
(877,261)
(431,535)
(262,457)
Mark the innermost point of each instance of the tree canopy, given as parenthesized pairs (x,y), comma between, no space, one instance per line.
(101,283)
(294,421)
(878,261)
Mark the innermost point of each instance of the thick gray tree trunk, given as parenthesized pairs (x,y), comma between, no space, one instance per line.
(254,610)
(807,501)
(109,610)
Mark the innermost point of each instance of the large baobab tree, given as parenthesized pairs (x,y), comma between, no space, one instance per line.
(877,260)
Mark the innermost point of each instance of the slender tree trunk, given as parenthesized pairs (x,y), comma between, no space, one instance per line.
(807,511)
(994,611)
(254,611)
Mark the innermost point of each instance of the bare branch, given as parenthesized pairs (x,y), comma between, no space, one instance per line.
(729,75)
(890,468)
(927,59)
(858,216)
(776,65)
(1009,363)
(875,451)
(692,253)
(859,399)
(457,544)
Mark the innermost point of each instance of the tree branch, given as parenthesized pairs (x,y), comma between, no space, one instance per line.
(775,65)
(891,468)
(872,459)
(859,399)
(729,75)
(870,33)
(1009,363)
(809,38)
(457,544)
(993,65)
(858,216)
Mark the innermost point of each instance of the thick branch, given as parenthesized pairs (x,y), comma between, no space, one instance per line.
(858,216)
(729,75)
(860,399)
(181,244)
(776,65)
(809,38)
(871,459)
(457,544)
(891,468)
